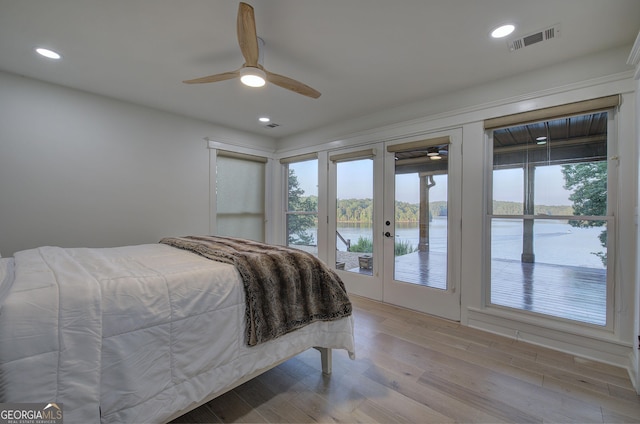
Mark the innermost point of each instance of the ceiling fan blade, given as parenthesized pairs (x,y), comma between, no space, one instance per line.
(291,84)
(214,78)
(247,36)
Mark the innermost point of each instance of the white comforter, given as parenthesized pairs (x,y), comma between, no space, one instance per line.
(132,334)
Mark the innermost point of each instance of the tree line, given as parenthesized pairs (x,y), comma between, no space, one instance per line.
(361,210)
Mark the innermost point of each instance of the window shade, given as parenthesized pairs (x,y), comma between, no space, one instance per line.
(299,158)
(240,197)
(360,154)
(242,156)
(545,114)
(421,144)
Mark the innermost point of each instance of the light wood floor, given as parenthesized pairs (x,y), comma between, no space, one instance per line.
(414,368)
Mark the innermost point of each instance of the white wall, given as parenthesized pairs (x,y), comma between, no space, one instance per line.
(77,169)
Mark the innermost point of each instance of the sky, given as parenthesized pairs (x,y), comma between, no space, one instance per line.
(355,183)
(508,186)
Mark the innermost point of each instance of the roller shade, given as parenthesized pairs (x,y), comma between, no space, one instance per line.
(549,113)
(360,154)
(421,144)
(299,158)
(243,156)
(240,196)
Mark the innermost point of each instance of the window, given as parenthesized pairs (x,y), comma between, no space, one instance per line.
(550,217)
(355,211)
(240,199)
(302,202)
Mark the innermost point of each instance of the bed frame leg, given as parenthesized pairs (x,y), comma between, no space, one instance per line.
(325,358)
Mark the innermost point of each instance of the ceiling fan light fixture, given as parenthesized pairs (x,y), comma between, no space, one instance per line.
(253,77)
(252,72)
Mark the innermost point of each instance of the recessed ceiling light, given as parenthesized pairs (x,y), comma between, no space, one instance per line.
(502,31)
(264,119)
(48,53)
(541,140)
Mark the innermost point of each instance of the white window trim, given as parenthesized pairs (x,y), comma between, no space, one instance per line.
(216,148)
(548,321)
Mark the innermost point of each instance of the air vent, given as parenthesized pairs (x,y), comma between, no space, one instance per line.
(272,125)
(534,38)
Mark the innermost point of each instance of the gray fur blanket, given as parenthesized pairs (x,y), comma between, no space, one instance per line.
(285,288)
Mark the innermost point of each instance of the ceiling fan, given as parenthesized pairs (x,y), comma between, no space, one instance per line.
(253,73)
(436,152)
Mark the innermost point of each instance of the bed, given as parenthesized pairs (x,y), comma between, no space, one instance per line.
(146,333)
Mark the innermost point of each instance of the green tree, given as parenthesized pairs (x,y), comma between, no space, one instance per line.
(297,225)
(589,184)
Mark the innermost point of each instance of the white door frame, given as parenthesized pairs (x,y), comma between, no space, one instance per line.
(442,303)
(369,286)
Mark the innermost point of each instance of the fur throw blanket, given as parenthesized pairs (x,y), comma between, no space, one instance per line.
(285,288)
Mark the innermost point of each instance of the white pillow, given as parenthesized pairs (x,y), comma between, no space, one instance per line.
(6,278)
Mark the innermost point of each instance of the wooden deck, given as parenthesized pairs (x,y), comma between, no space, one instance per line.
(570,292)
(423,268)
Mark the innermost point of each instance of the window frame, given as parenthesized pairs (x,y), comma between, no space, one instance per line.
(337,159)
(250,158)
(610,218)
(286,162)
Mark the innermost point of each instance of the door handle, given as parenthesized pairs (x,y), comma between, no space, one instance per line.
(388,234)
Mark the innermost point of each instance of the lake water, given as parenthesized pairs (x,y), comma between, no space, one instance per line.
(555,241)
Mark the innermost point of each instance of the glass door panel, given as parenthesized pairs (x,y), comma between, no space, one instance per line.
(422,224)
(354,216)
(420,250)
(355,184)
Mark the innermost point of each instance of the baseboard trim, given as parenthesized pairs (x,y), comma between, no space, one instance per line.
(612,352)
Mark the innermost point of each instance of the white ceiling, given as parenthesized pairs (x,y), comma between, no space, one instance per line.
(363,55)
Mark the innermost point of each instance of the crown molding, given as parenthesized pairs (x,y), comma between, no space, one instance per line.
(634,57)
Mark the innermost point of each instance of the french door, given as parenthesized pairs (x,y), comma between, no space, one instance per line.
(396,220)
(422,224)
(356,199)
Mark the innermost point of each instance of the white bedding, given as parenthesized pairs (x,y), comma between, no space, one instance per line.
(132,334)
